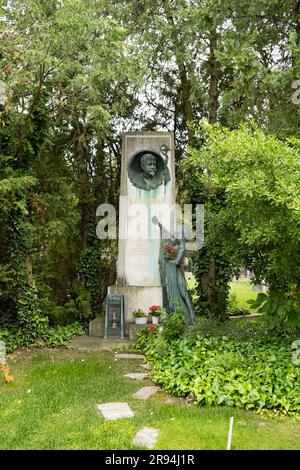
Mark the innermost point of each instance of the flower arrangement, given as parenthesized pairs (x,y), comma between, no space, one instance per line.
(153,328)
(170,251)
(139,313)
(155,310)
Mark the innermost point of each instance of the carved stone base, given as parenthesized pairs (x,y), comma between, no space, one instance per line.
(137,297)
(96,328)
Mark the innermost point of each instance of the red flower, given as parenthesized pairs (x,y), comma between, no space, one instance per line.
(154,307)
(153,328)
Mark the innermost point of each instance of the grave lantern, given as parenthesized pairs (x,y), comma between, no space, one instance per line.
(114,317)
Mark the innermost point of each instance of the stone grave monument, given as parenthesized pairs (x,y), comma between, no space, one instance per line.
(147,190)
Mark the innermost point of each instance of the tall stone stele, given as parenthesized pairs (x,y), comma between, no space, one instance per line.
(147,190)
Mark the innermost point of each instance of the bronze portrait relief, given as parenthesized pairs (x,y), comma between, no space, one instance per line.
(148,169)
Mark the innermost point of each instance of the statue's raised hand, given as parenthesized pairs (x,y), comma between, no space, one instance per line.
(156,221)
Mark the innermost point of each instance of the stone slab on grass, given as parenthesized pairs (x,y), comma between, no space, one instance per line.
(129,356)
(136,375)
(115,410)
(146,366)
(145,392)
(146,437)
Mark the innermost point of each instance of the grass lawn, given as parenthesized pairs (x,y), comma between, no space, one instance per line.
(52,405)
(243,291)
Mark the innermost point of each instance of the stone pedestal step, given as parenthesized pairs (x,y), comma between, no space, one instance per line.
(136,375)
(146,366)
(146,437)
(129,356)
(115,410)
(146,392)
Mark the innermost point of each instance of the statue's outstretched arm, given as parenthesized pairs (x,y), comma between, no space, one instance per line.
(164,233)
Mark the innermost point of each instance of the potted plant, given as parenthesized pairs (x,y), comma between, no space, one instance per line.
(155,311)
(140,317)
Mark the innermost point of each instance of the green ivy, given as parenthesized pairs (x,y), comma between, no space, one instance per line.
(30,318)
(256,374)
(53,337)
(89,271)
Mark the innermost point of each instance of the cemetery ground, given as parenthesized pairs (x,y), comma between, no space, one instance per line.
(52,405)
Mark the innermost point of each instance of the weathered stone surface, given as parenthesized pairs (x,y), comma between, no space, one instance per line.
(128,356)
(2,353)
(96,327)
(138,277)
(146,437)
(136,376)
(145,392)
(146,366)
(115,410)
(134,329)
(137,297)
(94,343)
(138,254)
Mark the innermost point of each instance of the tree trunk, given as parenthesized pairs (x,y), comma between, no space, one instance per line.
(186,102)
(28,269)
(84,191)
(213,92)
(186,88)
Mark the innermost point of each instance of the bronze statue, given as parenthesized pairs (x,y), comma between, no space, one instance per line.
(175,294)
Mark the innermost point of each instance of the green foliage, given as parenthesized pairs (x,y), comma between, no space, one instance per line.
(173,326)
(14,337)
(77,309)
(30,318)
(233,307)
(236,329)
(280,309)
(257,223)
(59,335)
(213,273)
(59,149)
(253,374)
(90,271)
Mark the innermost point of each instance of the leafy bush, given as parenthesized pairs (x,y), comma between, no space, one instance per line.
(53,337)
(59,335)
(77,309)
(249,183)
(232,303)
(13,338)
(173,326)
(256,373)
(281,309)
(30,317)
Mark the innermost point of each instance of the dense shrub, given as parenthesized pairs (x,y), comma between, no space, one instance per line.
(250,372)
(52,337)
(59,335)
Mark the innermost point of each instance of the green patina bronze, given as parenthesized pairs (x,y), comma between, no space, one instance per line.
(175,293)
(147,169)
(114,323)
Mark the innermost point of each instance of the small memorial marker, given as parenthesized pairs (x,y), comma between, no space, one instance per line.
(145,392)
(115,410)
(136,376)
(146,437)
